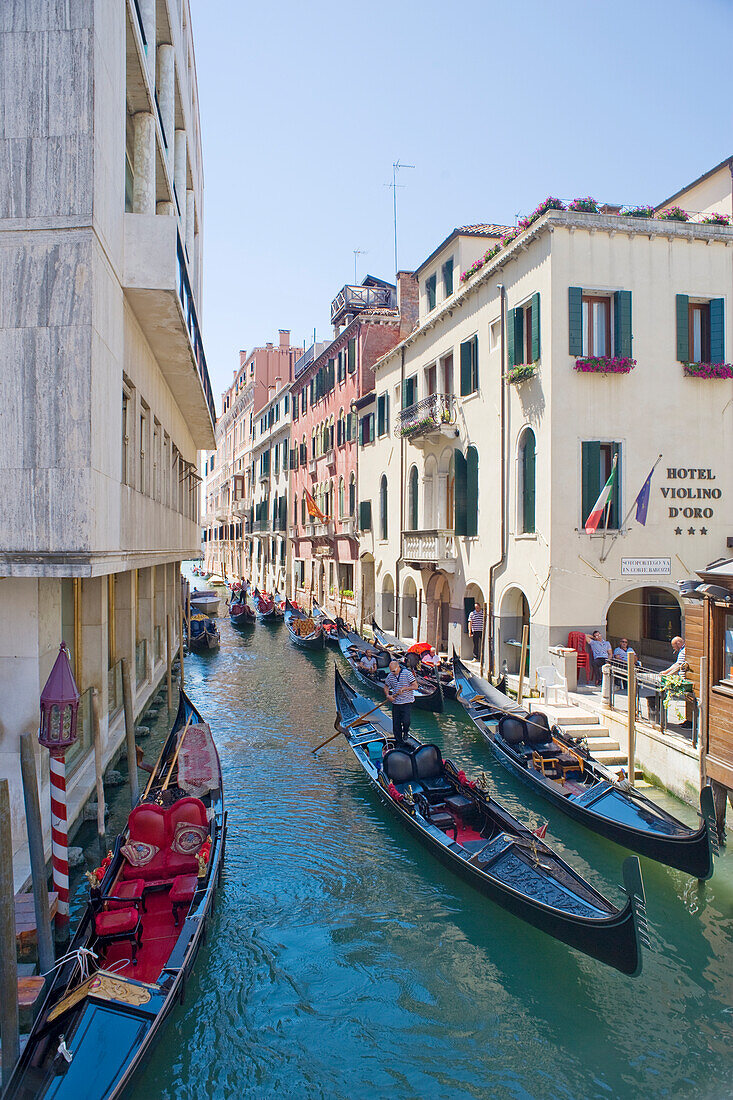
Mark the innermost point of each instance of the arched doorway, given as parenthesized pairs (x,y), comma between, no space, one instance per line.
(473,598)
(437,611)
(368,610)
(648,617)
(387,602)
(513,617)
(408,618)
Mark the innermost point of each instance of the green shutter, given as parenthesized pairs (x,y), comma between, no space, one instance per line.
(535,353)
(575,320)
(381,403)
(510,360)
(472,491)
(352,355)
(466,368)
(717,330)
(683,328)
(519,335)
(371,427)
(622,323)
(461,513)
(614,516)
(365,515)
(591,478)
(528,482)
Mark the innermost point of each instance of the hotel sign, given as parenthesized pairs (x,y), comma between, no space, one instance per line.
(646,567)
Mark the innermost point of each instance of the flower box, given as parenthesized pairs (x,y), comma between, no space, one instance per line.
(587,205)
(521,373)
(709,370)
(674,214)
(716,219)
(638,212)
(604,365)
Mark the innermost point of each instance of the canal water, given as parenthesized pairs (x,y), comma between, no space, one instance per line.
(342,962)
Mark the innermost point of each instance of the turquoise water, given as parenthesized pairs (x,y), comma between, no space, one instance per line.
(344,963)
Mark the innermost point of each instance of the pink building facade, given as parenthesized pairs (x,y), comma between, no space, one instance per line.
(330,387)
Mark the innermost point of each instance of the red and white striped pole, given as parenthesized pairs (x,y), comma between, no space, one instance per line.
(60,840)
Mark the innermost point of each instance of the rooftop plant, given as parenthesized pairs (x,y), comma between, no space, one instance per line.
(716,219)
(550,203)
(674,214)
(587,205)
(638,212)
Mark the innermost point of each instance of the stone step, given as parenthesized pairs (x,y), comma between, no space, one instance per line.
(586,730)
(610,757)
(596,744)
(571,716)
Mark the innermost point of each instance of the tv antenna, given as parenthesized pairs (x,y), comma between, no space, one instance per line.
(394,185)
(358,252)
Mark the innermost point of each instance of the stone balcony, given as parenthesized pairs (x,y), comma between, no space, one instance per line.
(330,457)
(428,419)
(435,548)
(156,285)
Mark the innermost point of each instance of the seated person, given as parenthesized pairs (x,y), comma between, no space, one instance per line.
(622,650)
(431,658)
(600,653)
(368,662)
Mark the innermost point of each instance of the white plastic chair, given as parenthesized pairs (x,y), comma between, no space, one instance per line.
(550,680)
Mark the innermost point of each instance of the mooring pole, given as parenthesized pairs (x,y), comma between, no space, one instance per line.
(99,771)
(522,662)
(631,717)
(483,643)
(169,661)
(180,645)
(8,956)
(37,855)
(130,733)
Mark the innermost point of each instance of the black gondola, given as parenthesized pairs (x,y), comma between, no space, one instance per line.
(304,631)
(241,613)
(267,610)
(203,634)
(97,1026)
(428,694)
(391,642)
(561,769)
(330,627)
(484,844)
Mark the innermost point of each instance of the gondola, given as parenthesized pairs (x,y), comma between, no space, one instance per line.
(203,634)
(428,695)
(330,628)
(391,642)
(205,601)
(267,610)
(561,769)
(304,630)
(104,1011)
(241,613)
(489,848)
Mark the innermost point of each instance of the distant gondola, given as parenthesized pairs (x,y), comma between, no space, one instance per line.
(400,649)
(304,631)
(241,613)
(489,848)
(562,770)
(267,609)
(428,694)
(203,634)
(145,924)
(330,627)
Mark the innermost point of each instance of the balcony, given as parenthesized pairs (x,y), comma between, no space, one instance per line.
(348,526)
(221,513)
(353,299)
(436,548)
(241,507)
(428,419)
(330,457)
(155,282)
(324,530)
(312,466)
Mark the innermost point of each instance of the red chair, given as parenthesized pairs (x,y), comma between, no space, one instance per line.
(576,641)
(113,925)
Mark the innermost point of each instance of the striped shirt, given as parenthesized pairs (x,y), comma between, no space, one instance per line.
(476,620)
(405,680)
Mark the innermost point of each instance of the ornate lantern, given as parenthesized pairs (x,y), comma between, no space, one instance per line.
(59,707)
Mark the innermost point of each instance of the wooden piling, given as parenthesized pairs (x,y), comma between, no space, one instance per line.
(39,875)
(483,642)
(419,616)
(438,613)
(702,714)
(99,770)
(631,715)
(168,661)
(522,661)
(180,645)
(130,733)
(8,957)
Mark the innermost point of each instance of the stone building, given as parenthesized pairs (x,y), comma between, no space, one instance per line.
(104,395)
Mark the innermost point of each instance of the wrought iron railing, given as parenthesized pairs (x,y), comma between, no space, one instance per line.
(431,413)
(651,703)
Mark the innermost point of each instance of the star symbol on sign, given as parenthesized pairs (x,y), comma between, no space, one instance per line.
(678,530)
(703,530)
(690,530)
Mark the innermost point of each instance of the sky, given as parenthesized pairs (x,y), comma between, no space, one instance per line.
(306,106)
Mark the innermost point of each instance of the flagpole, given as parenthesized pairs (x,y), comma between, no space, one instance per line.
(631,509)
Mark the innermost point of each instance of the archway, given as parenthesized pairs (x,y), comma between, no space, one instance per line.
(648,617)
(408,617)
(368,609)
(387,602)
(513,617)
(437,611)
(473,598)
(412,499)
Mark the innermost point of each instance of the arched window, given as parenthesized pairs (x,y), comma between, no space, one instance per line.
(352,495)
(303,511)
(341,434)
(342,497)
(526,482)
(295,511)
(383,507)
(313,444)
(330,434)
(412,499)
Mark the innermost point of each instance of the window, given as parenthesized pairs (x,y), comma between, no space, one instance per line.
(727,647)
(342,498)
(367,429)
(352,355)
(296,406)
(526,482)
(352,494)
(412,483)
(276,463)
(303,510)
(469,366)
(430,284)
(596,465)
(700,330)
(125,474)
(448,278)
(341,367)
(446,367)
(466,492)
(599,325)
(494,335)
(346,577)
(409,391)
(144,421)
(430,380)
(596,326)
(365,515)
(383,507)
(156,460)
(383,414)
(285,454)
(304,399)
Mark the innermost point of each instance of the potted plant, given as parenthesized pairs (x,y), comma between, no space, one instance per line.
(591,364)
(708,370)
(587,205)
(674,214)
(675,688)
(521,373)
(638,212)
(716,219)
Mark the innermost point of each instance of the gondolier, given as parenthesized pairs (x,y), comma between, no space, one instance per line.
(476,630)
(399,687)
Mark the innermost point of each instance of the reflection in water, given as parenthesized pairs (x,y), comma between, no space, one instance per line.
(343,963)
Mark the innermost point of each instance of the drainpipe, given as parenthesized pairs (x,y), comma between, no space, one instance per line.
(398,606)
(503,495)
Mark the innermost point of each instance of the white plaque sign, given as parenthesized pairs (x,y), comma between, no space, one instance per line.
(647,567)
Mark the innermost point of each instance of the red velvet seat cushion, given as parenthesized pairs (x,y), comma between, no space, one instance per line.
(177,864)
(186,809)
(155,825)
(116,922)
(148,823)
(183,888)
(157,868)
(131,889)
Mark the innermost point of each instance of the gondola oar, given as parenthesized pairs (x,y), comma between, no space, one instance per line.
(342,729)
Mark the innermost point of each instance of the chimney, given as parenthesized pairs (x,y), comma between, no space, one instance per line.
(242,357)
(268,345)
(284,337)
(407,301)
(278,383)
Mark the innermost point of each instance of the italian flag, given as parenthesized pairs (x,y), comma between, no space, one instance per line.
(593,520)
